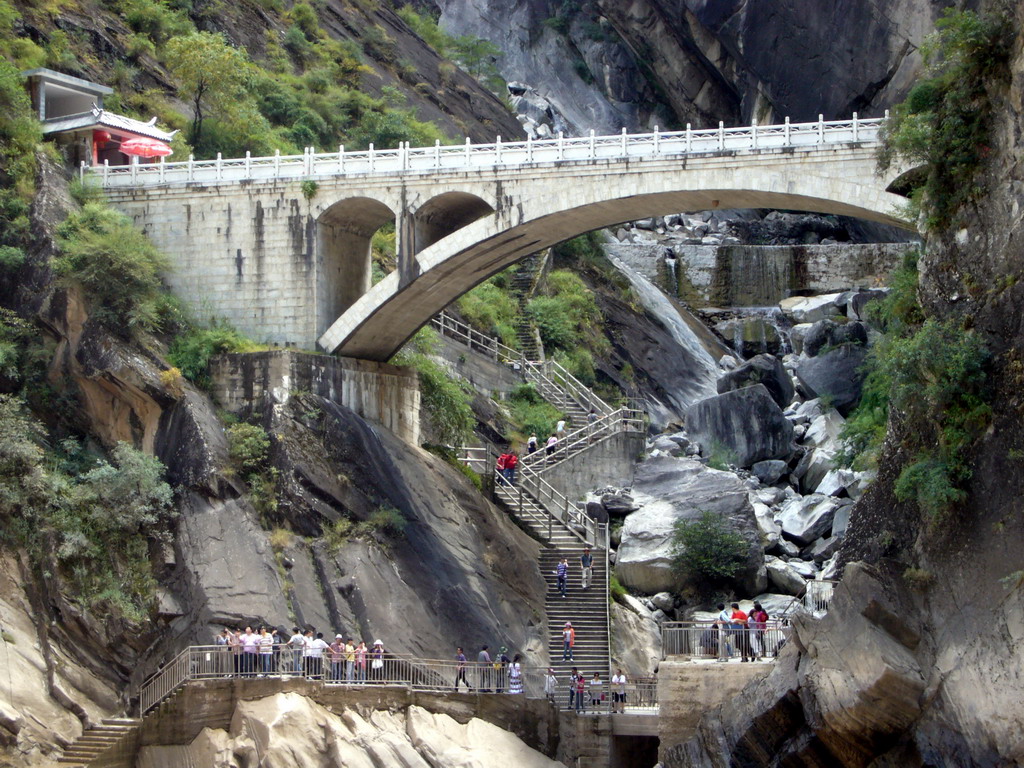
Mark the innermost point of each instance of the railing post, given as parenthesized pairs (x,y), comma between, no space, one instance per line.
(81,171)
(561,145)
(341,158)
(624,141)
(403,151)
(106,169)
(497,151)
(787,130)
(437,153)
(721,135)
(821,129)
(135,169)
(592,147)
(689,138)
(855,126)
(657,138)
(753,134)
(468,153)
(529,148)
(371,157)
(219,161)
(248,163)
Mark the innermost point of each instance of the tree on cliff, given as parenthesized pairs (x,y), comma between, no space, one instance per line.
(212,75)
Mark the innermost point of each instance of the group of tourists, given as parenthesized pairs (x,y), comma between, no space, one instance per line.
(580,690)
(306,653)
(734,631)
(506,466)
(586,572)
(498,673)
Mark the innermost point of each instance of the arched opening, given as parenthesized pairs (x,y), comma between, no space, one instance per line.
(344,235)
(442,215)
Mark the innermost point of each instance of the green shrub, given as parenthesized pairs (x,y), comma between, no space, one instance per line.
(248,447)
(708,549)
(191,351)
(337,534)
(945,122)
(383,520)
(116,265)
(444,398)
(531,413)
(491,310)
(932,376)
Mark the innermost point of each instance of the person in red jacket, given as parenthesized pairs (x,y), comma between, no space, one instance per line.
(511,461)
(739,623)
(502,465)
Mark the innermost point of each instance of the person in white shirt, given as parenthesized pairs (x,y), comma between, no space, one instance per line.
(297,642)
(560,429)
(596,691)
(266,651)
(550,684)
(619,692)
(316,653)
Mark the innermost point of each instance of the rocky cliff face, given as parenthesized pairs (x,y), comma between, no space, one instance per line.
(461,573)
(918,662)
(702,61)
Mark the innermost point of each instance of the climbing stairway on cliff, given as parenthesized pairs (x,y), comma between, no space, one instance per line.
(587,609)
(524,283)
(97,740)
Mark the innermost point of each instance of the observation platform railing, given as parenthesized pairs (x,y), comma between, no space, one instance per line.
(711,640)
(207,662)
(462,157)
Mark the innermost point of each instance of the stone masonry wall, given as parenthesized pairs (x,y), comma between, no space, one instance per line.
(610,462)
(383,394)
(686,690)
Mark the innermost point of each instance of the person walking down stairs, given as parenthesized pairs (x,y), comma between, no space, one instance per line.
(568,641)
(562,573)
(587,567)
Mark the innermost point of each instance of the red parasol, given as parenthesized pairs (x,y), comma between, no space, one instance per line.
(145,148)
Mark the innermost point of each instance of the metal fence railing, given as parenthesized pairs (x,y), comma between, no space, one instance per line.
(458,158)
(209,662)
(714,640)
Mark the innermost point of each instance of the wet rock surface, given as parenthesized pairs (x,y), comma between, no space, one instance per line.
(746,424)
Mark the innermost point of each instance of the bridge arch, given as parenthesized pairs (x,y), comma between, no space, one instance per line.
(445,213)
(386,316)
(344,233)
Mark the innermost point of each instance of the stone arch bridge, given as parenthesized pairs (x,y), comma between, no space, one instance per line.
(280,246)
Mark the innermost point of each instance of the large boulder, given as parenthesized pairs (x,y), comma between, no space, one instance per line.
(746,424)
(807,518)
(835,375)
(769,471)
(828,333)
(763,369)
(784,577)
(683,489)
(810,309)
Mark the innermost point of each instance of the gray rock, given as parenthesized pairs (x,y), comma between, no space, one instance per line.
(822,549)
(835,482)
(728,362)
(828,333)
(815,466)
(824,430)
(747,425)
(806,569)
(769,471)
(618,504)
(841,520)
(836,375)
(770,530)
(784,577)
(830,568)
(667,446)
(856,307)
(681,439)
(809,309)
(766,370)
(770,496)
(683,489)
(797,334)
(664,601)
(659,615)
(805,519)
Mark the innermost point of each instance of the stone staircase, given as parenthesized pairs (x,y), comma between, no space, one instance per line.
(98,740)
(524,285)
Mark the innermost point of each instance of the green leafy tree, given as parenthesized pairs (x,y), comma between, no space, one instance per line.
(707,548)
(211,75)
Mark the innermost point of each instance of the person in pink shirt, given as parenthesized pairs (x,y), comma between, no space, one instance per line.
(250,648)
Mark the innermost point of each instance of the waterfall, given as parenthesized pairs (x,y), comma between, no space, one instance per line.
(704,369)
(670,263)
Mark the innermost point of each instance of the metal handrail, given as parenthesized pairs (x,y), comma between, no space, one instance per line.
(555,375)
(457,158)
(621,420)
(558,508)
(480,342)
(207,662)
(714,639)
